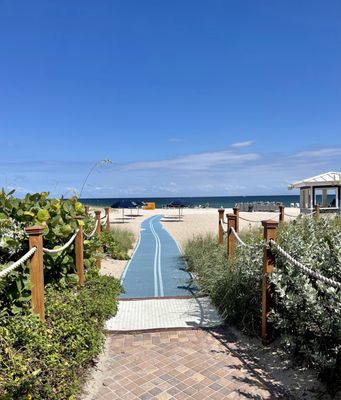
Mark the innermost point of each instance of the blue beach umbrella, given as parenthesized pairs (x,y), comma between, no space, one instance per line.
(139,204)
(177,203)
(124,203)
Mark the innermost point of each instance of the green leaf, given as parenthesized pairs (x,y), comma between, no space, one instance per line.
(15,309)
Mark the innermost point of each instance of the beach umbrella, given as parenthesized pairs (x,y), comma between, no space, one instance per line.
(139,204)
(124,203)
(177,203)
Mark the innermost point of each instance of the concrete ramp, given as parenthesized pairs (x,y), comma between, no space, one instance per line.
(164,313)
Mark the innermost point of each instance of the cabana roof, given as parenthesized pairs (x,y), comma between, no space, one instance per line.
(327,179)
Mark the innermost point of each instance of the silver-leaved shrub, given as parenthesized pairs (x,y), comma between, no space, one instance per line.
(306,311)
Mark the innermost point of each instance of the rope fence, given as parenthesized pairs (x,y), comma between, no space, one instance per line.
(250,220)
(62,248)
(16,264)
(89,236)
(310,214)
(240,241)
(270,250)
(274,214)
(290,216)
(222,227)
(302,267)
(36,253)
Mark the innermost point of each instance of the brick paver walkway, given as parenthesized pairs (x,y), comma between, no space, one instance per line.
(179,361)
(181,364)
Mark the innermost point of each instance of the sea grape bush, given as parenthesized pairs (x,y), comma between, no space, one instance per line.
(306,313)
(57,216)
(48,360)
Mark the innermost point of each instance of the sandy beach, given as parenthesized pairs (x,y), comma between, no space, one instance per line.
(194,221)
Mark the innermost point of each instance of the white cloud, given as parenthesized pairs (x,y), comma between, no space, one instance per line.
(196,162)
(165,189)
(243,144)
(227,172)
(326,152)
(132,190)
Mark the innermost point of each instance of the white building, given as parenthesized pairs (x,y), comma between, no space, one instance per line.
(324,190)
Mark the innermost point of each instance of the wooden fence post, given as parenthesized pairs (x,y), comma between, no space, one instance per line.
(79,252)
(35,239)
(221,212)
(317,211)
(107,225)
(86,210)
(281,213)
(98,234)
(236,213)
(231,240)
(268,263)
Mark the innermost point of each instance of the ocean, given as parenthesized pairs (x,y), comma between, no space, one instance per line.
(213,202)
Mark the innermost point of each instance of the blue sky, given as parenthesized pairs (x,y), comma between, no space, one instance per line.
(186,97)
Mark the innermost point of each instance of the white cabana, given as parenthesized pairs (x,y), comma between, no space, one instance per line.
(323,190)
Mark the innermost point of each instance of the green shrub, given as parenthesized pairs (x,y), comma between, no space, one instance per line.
(307,311)
(124,237)
(116,243)
(234,286)
(12,237)
(47,360)
(57,216)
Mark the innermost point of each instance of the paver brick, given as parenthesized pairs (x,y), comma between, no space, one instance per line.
(142,367)
(146,396)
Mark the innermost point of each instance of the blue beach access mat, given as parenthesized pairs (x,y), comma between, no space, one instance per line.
(156,268)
